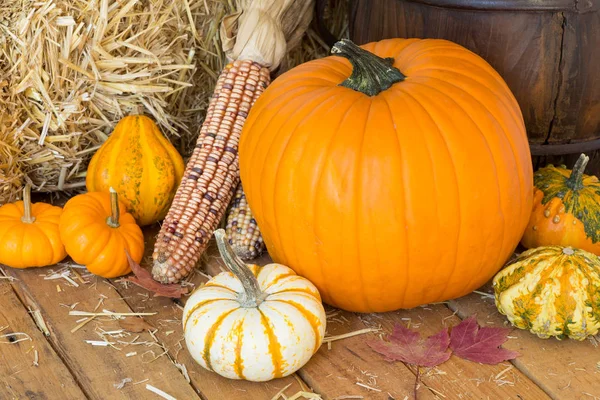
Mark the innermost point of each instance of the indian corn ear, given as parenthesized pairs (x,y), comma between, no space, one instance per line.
(242,230)
(211,175)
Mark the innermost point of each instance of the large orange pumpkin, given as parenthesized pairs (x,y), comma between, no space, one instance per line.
(389,182)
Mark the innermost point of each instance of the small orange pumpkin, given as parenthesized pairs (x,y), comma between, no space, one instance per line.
(96,234)
(29,234)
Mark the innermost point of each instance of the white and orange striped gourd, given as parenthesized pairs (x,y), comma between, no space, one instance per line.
(253,323)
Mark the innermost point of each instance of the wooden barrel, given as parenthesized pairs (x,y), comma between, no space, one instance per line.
(548,51)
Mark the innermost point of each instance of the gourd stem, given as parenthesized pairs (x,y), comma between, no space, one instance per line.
(575,181)
(371,74)
(113,220)
(27,218)
(252,295)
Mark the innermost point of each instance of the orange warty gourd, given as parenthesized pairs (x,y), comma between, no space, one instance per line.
(96,233)
(141,165)
(566,209)
(395,175)
(29,234)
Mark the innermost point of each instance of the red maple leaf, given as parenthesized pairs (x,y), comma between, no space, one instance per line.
(407,346)
(469,341)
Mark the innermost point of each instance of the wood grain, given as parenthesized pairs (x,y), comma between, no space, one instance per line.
(350,362)
(520,5)
(564,369)
(98,369)
(334,373)
(209,385)
(19,377)
(578,102)
(548,52)
(458,378)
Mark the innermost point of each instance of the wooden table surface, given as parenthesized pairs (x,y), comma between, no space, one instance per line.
(46,353)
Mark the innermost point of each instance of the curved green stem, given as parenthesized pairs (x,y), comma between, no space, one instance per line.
(371,74)
(575,181)
(27,218)
(113,220)
(252,295)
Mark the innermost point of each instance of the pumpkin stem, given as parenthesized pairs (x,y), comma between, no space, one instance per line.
(113,220)
(252,295)
(575,181)
(27,218)
(371,74)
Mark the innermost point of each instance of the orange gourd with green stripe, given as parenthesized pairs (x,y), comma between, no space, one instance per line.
(141,165)
(551,291)
(253,323)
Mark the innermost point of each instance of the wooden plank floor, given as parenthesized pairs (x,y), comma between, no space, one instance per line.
(46,353)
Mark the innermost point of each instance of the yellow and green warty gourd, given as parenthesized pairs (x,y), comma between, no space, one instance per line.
(551,291)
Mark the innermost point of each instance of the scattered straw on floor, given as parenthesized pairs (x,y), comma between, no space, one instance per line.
(159,392)
(349,334)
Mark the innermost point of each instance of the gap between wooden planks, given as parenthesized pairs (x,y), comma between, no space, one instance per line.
(211,386)
(565,369)
(29,366)
(351,369)
(97,369)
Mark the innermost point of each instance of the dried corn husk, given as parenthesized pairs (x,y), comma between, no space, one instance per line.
(266,30)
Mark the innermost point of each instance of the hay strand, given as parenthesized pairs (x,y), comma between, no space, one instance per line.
(70,69)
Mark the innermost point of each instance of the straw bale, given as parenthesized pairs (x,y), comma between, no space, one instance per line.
(70,69)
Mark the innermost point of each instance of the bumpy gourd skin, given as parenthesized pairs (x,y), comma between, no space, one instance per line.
(566,209)
(551,291)
(35,244)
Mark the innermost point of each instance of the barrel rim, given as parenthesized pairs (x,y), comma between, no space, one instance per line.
(575,6)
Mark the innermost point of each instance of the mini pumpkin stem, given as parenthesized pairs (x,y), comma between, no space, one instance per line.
(113,220)
(252,295)
(371,74)
(575,181)
(27,217)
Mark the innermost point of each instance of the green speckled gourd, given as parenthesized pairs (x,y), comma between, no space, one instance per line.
(551,291)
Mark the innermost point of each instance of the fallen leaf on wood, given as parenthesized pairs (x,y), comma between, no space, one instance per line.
(474,343)
(144,279)
(407,346)
(135,324)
